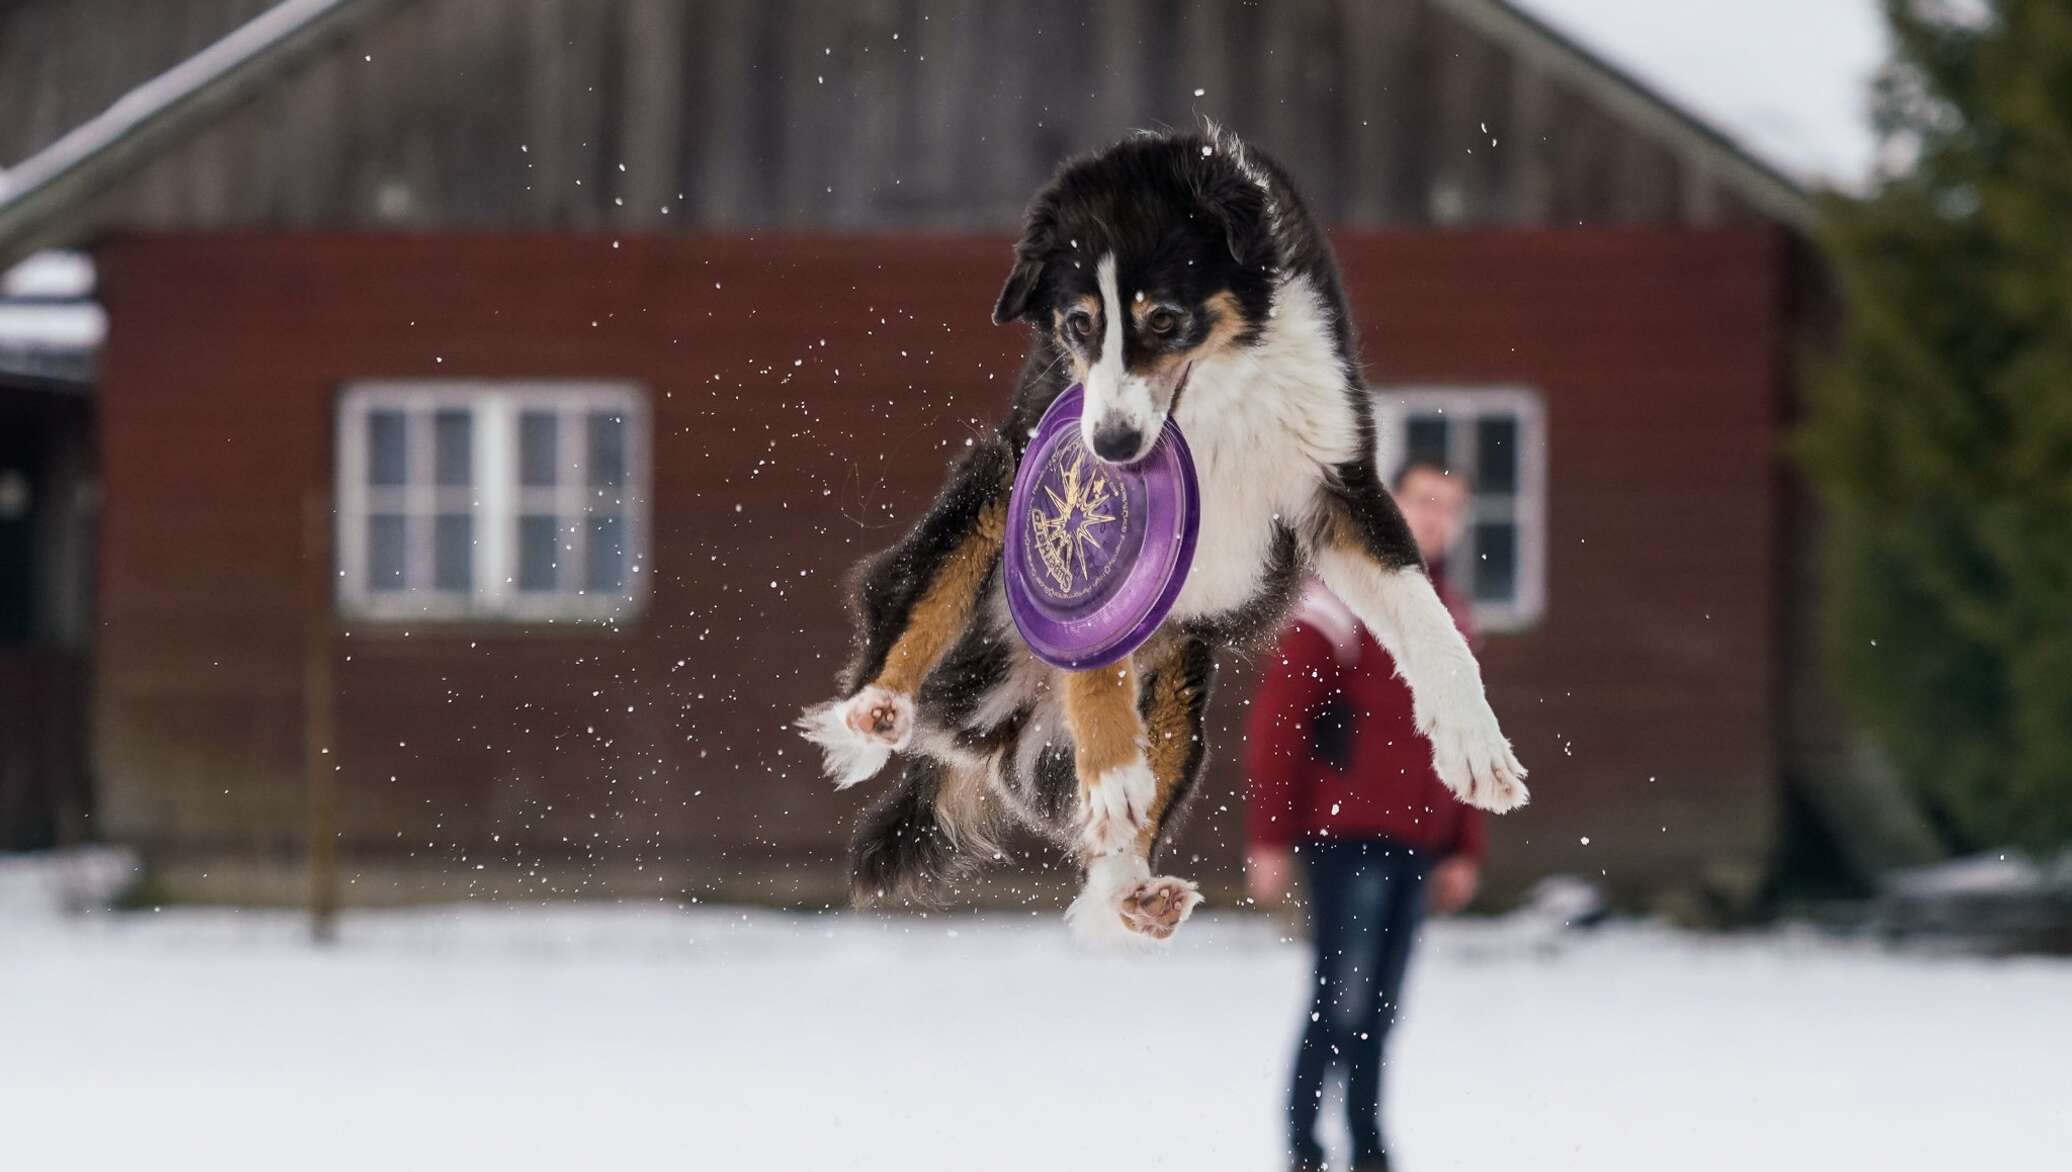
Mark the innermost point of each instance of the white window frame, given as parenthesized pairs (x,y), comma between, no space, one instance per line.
(495,498)
(1393,404)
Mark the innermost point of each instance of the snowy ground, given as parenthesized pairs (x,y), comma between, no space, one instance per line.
(575,1038)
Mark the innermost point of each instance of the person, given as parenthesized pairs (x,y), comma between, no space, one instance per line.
(1341,781)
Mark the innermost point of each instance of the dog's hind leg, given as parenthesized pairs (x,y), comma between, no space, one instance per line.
(913,602)
(1120,888)
(1176,705)
(1366,555)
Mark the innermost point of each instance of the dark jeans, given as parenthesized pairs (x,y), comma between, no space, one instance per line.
(1366,900)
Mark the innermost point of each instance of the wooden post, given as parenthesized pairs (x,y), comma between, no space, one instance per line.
(319,724)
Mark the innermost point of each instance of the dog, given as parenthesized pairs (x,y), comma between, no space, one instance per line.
(1172,275)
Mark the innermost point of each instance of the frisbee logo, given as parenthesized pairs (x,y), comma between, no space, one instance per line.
(1080,502)
(1096,552)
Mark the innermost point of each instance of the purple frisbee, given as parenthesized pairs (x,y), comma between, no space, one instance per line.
(1096,552)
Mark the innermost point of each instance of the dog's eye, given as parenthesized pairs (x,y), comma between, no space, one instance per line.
(1081,323)
(1162,321)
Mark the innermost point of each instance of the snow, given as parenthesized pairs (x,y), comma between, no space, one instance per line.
(587,1037)
(1789,80)
(52,275)
(2000,873)
(51,882)
(79,326)
(40,308)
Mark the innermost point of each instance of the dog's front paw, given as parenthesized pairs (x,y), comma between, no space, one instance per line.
(1155,908)
(858,735)
(1476,763)
(880,715)
(1114,808)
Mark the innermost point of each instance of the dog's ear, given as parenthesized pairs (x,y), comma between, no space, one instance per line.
(1240,207)
(1233,197)
(1025,283)
(1018,296)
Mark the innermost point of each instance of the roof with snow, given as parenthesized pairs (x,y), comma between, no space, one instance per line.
(50,327)
(36,193)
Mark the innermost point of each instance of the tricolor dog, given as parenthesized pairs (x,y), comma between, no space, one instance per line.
(1173,275)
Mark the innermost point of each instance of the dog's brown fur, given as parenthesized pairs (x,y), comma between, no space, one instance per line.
(944,612)
(1101,706)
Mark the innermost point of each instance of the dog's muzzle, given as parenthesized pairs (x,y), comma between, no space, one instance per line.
(1125,432)
(1118,442)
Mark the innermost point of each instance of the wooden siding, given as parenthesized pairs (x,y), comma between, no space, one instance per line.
(662,115)
(63,61)
(806,392)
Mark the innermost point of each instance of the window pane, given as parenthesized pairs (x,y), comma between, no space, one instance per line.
(606,570)
(538,437)
(1496,454)
(538,552)
(607,456)
(453,552)
(386,543)
(1496,561)
(453,455)
(1424,438)
(388,462)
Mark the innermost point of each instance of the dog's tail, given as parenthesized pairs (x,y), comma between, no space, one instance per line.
(933,829)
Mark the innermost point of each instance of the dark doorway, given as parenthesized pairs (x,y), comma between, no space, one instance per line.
(21,443)
(46,538)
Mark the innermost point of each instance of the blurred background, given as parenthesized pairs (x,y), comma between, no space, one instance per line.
(433,434)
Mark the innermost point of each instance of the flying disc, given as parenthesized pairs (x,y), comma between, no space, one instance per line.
(1096,552)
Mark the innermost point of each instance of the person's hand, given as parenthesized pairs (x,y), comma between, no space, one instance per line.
(1267,874)
(1452,884)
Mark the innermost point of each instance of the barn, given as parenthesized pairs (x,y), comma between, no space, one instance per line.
(490,398)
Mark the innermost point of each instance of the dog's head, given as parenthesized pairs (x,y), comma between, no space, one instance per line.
(1143,262)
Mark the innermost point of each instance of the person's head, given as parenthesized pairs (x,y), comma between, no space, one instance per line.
(1434,502)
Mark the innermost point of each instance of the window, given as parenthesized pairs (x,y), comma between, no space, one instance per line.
(520,501)
(1496,438)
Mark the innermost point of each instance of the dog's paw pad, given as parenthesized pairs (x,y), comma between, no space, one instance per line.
(858,735)
(1157,907)
(880,715)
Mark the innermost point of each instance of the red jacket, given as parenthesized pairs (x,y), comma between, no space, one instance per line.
(1332,748)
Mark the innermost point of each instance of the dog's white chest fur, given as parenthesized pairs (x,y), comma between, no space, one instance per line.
(1263,422)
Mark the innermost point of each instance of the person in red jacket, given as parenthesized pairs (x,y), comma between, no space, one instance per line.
(1342,782)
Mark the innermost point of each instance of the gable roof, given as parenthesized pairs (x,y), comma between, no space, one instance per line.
(41,199)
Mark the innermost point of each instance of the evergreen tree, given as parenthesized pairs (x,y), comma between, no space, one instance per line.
(1941,432)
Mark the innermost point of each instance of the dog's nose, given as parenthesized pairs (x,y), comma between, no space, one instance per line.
(1117,442)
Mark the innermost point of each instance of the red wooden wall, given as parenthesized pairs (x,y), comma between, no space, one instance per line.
(806,392)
